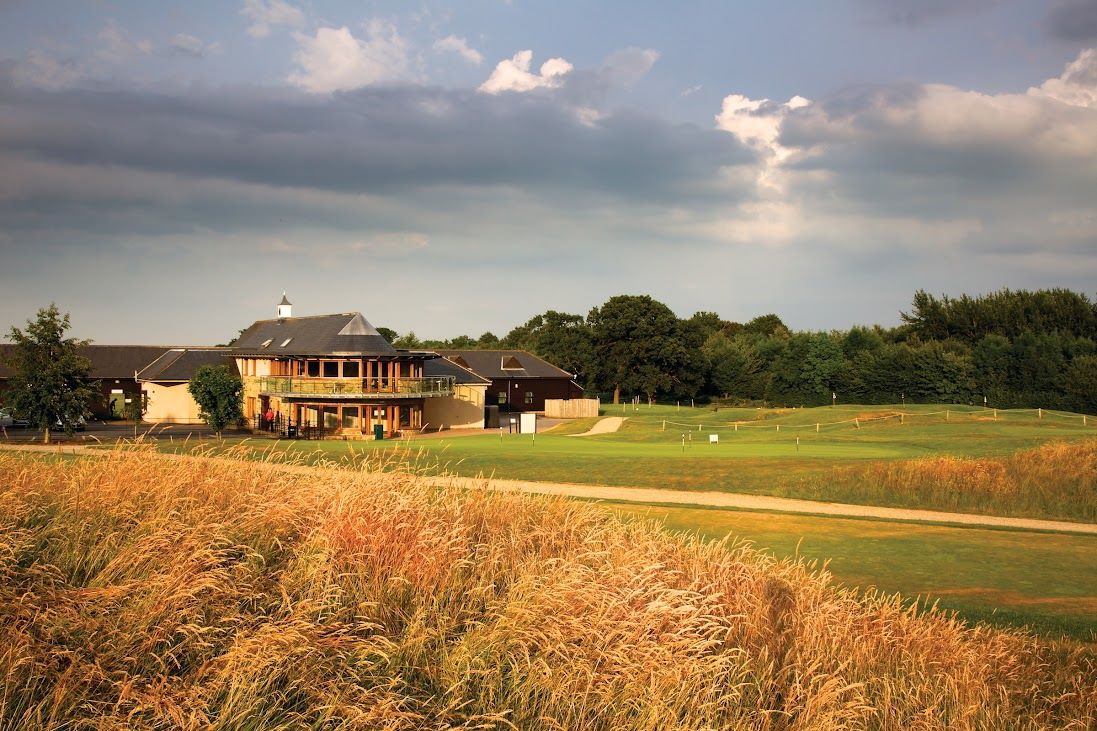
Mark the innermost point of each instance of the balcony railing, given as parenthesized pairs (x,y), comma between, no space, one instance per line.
(329,388)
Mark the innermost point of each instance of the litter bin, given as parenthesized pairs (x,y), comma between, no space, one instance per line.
(378,431)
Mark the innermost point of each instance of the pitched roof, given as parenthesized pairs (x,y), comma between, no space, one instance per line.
(284,300)
(498,364)
(180,364)
(346,333)
(447,367)
(107,361)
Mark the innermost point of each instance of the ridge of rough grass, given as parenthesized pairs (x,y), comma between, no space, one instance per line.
(143,591)
(1057,480)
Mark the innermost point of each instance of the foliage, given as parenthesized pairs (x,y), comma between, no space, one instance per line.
(51,382)
(219,395)
(146,592)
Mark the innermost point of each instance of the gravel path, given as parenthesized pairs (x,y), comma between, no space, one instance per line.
(765,502)
(694,497)
(607,425)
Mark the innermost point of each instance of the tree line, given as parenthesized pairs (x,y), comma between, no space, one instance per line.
(1015,348)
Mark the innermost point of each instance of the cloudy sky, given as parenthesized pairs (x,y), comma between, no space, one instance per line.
(166,172)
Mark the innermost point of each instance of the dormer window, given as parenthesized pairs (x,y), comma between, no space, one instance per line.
(285,342)
(267,342)
(510,363)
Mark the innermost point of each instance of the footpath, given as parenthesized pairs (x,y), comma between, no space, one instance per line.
(736,501)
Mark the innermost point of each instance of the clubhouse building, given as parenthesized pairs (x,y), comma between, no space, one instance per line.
(331,376)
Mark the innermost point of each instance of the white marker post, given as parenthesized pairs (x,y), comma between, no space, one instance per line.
(683,443)
(797,444)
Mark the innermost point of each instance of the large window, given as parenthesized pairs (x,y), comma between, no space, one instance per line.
(314,368)
(502,397)
(331,417)
(350,417)
(331,369)
(405,417)
(529,397)
(350,369)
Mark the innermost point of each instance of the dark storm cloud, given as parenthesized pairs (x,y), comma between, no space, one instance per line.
(367,141)
(918,12)
(1073,20)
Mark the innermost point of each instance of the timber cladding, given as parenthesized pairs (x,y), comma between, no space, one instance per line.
(576,408)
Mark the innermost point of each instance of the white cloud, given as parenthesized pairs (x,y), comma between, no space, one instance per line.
(1078,83)
(691,90)
(334,60)
(187,45)
(265,15)
(116,46)
(45,72)
(459,46)
(513,74)
(629,65)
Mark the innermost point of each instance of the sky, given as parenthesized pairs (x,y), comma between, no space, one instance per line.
(167,170)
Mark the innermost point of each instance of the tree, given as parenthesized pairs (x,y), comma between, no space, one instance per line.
(1081,383)
(388,333)
(136,408)
(51,382)
(558,337)
(408,342)
(637,344)
(733,366)
(219,395)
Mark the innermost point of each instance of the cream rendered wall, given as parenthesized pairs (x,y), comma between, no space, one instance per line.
(463,410)
(170,403)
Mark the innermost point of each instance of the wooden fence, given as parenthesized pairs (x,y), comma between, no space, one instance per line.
(576,408)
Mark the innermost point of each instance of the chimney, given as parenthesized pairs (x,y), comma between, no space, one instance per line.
(285,309)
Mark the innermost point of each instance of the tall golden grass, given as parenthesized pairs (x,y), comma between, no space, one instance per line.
(139,590)
(1056,480)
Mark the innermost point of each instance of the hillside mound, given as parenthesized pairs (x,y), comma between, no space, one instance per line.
(142,591)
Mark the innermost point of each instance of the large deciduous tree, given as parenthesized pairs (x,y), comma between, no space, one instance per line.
(638,347)
(51,383)
(219,395)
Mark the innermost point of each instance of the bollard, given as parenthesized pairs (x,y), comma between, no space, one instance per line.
(664,424)
(797,444)
(1040,413)
(946,414)
(698,427)
(778,428)
(901,417)
(683,442)
(817,428)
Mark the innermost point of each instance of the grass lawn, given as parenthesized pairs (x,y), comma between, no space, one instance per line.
(1047,581)
(753,454)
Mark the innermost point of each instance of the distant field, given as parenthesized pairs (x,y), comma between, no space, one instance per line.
(1045,581)
(839,462)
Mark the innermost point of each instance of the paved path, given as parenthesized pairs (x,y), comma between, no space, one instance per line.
(711,499)
(607,425)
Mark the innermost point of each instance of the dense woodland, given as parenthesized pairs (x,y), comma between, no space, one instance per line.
(1016,348)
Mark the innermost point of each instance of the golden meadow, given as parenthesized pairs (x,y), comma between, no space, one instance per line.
(140,590)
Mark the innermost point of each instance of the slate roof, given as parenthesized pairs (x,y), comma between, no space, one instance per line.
(490,364)
(107,361)
(445,367)
(180,364)
(347,333)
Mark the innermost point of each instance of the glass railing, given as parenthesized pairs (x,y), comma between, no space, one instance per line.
(329,387)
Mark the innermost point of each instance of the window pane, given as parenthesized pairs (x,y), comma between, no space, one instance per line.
(350,369)
(314,368)
(331,369)
(331,417)
(350,417)
(405,417)
(502,397)
(529,397)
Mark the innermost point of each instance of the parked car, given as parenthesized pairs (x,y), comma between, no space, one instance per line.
(78,424)
(6,420)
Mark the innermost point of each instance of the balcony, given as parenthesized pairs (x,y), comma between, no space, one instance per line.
(343,388)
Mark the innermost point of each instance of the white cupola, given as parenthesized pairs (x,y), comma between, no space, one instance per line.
(285,309)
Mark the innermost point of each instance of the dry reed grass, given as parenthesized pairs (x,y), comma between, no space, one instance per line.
(1051,481)
(144,591)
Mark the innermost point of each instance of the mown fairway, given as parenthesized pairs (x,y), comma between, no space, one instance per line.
(1045,581)
(840,462)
